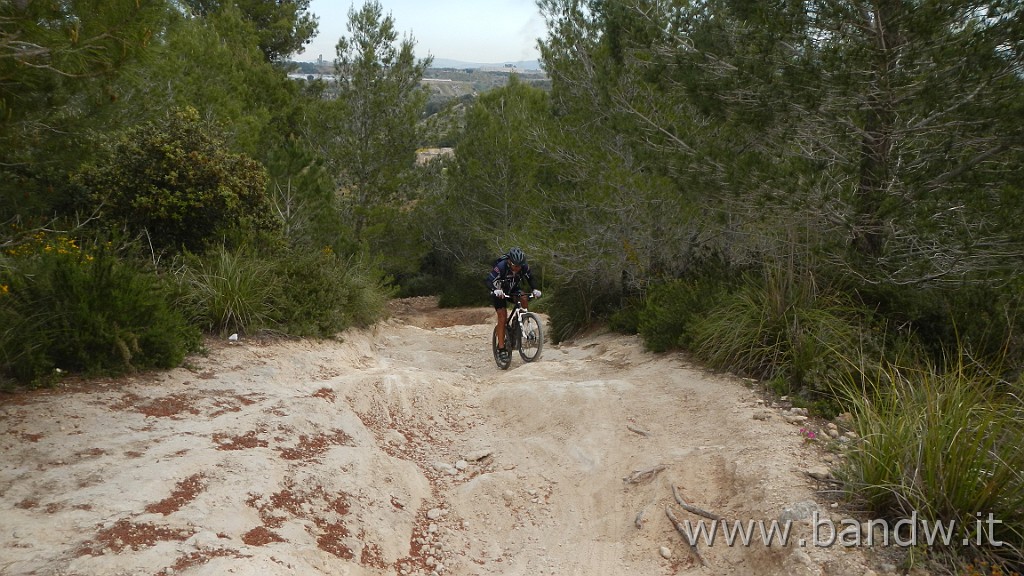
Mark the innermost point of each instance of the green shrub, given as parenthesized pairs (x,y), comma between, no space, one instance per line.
(441,275)
(422,284)
(320,294)
(227,291)
(311,294)
(987,319)
(177,182)
(781,325)
(367,292)
(945,445)
(297,292)
(86,311)
(462,290)
(581,300)
(572,309)
(663,318)
(461,284)
(626,320)
(670,309)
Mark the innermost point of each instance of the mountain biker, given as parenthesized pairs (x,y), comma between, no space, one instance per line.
(503,283)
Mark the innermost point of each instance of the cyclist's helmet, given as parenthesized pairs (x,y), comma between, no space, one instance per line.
(516,256)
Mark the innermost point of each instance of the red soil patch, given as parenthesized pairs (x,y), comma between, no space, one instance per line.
(185,492)
(325,393)
(260,536)
(125,534)
(310,447)
(202,557)
(244,442)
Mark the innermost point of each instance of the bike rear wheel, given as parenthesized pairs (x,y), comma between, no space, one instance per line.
(531,340)
(503,364)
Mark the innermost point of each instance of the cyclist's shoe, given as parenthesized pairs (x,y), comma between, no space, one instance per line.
(504,355)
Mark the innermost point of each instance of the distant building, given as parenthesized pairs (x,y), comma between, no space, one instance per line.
(311,77)
(427,155)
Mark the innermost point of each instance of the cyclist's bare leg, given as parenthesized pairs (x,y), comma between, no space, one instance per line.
(502,314)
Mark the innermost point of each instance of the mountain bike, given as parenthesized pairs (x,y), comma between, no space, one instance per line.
(523,332)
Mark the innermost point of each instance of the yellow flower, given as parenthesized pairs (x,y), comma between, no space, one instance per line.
(4,289)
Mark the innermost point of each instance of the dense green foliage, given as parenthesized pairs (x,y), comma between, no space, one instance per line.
(85,310)
(180,132)
(58,63)
(781,326)
(320,294)
(175,182)
(371,121)
(742,121)
(297,292)
(281,28)
(667,315)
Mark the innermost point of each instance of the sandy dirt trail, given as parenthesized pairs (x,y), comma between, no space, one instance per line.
(402,449)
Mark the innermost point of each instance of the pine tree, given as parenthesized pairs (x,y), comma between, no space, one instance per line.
(370,127)
(57,60)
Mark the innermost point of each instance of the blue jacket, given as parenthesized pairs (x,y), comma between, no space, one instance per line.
(501,276)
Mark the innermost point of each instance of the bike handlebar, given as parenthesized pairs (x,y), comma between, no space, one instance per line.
(512,297)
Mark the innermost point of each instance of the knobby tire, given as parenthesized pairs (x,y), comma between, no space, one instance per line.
(531,340)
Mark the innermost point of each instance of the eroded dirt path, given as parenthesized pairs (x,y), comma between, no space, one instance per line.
(402,450)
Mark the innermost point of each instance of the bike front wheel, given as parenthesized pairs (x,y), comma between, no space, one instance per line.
(531,339)
(502,363)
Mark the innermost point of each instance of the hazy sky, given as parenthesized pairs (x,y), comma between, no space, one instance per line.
(482,31)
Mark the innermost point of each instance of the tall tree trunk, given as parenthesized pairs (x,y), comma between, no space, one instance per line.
(877,139)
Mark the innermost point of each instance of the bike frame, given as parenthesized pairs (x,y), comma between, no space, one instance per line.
(514,322)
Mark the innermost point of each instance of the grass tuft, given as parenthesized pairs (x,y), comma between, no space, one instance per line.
(945,445)
(779,326)
(225,292)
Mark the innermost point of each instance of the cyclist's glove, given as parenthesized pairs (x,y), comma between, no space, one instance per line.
(499,293)
(536,293)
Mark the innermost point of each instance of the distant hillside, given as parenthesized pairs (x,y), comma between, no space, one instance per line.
(448,78)
(518,65)
(453,89)
(484,79)
(453,85)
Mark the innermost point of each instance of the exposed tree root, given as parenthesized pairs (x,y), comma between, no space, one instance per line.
(684,531)
(641,476)
(691,508)
(637,430)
